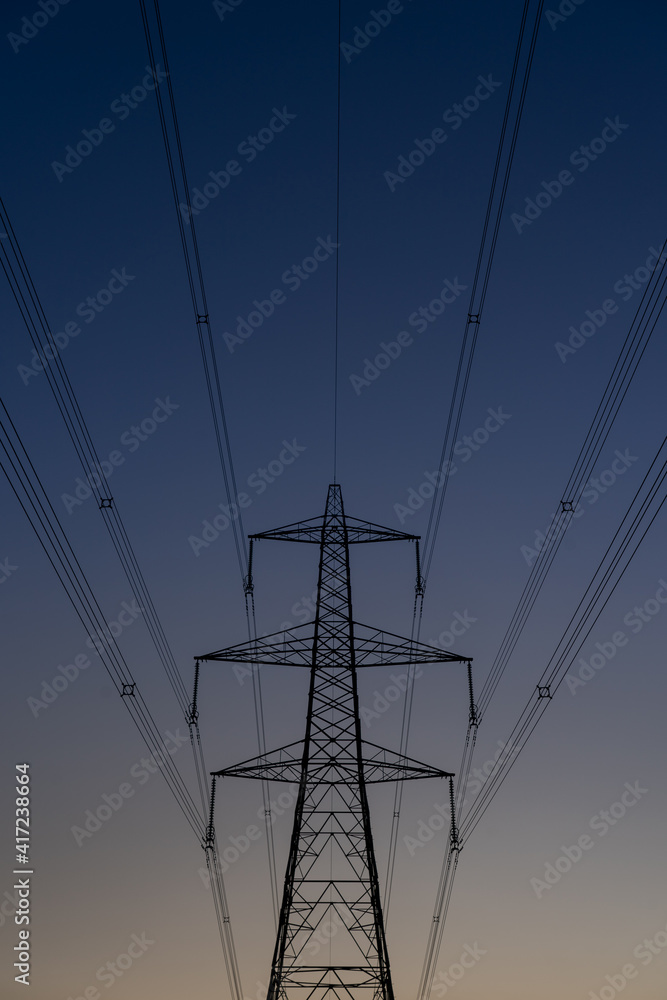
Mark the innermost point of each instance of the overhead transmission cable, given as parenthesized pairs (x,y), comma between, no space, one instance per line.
(188,236)
(169,125)
(635,344)
(32,312)
(490,231)
(638,519)
(403,746)
(33,499)
(640,516)
(30,306)
(501,173)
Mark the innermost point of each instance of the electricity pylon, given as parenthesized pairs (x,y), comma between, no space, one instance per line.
(331,889)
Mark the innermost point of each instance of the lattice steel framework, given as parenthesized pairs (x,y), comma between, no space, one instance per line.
(331,939)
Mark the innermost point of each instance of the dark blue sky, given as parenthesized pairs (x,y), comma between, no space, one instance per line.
(105,229)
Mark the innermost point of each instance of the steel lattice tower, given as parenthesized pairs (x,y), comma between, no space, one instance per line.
(331,879)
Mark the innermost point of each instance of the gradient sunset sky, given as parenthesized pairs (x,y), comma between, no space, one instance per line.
(599,68)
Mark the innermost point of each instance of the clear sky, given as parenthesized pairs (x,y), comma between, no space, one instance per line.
(106,224)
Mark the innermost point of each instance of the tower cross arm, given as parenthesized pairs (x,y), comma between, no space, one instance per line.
(354,529)
(299,531)
(366,531)
(286,764)
(372,648)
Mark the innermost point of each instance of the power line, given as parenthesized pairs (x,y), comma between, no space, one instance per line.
(632,351)
(32,312)
(482,275)
(642,512)
(34,318)
(171,135)
(31,495)
(641,329)
(188,236)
